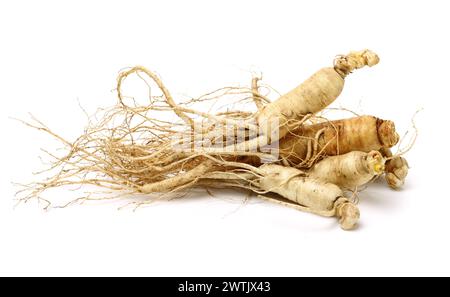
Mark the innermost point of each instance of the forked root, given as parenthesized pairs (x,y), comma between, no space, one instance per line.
(129,150)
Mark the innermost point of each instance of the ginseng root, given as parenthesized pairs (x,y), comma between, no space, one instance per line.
(314,94)
(300,190)
(350,170)
(308,143)
(314,194)
(132,151)
(274,120)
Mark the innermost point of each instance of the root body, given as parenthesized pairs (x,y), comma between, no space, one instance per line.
(130,150)
(317,195)
(350,170)
(289,183)
(314,94)
(363,133)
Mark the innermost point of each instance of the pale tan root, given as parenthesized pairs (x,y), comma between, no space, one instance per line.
(137,154)
(178,180)
(177,109)
(396,169)
(316,195)
(350,170)
(126,149)
(362,133)
(192,177)
(310,97)
(295,189)
(347,212)
(314,94)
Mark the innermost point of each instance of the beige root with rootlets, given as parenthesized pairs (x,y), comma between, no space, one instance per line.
(128,147)
(318,190)
(291,109)
(137,155)
(315,93)
(330,138)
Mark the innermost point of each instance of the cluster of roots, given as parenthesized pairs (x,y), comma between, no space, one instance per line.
(163,148)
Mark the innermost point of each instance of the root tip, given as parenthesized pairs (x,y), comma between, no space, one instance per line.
(387,135)
(345,64)
(349,216)
(393,181)
(371,58)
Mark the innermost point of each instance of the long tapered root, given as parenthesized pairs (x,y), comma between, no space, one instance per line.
(362,133)
(314,94)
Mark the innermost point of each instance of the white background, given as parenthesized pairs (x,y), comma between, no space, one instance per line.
(56,53)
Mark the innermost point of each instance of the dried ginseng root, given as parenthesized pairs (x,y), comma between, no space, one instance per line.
(307,143)
(351,170)
(275,119)
(314,94)
(294,189)
(130,149)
